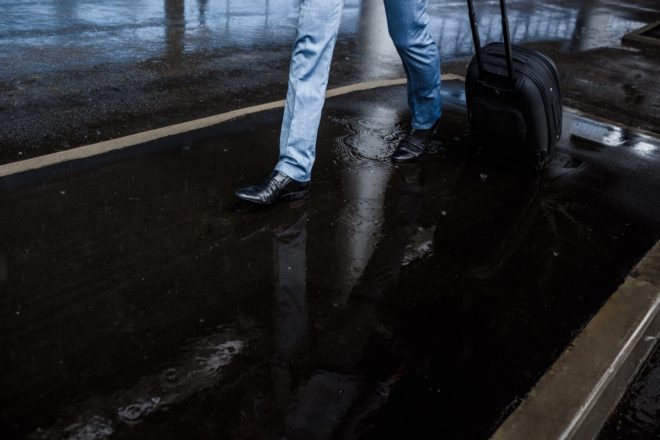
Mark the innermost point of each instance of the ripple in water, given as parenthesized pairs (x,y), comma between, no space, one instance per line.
(135,412)
(199,366)
(370,140)
(96,428)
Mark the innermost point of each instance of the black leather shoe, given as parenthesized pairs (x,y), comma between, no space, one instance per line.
(414,144)
(275,187)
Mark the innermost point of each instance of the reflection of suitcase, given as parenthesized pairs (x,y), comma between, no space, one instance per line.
(513,93)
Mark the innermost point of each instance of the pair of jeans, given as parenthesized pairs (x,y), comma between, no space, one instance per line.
(318,23)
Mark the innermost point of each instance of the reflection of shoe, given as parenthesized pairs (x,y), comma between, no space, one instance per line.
(272,221)
(412,173)
(275,187)
(414,145)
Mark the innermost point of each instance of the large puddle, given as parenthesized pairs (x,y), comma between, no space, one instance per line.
(140,299)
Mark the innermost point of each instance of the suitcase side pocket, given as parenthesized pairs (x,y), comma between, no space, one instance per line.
(496,119)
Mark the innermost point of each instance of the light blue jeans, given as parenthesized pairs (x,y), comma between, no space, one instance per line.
(408,25)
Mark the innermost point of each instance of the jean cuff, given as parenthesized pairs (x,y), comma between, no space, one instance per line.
(426,125)
(292,171)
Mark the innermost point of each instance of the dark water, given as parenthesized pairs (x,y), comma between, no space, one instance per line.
(638,414)
(141,300)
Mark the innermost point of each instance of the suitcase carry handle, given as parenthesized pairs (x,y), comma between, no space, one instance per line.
(505,33)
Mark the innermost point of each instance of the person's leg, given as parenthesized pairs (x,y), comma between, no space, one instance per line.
(318,24)
(308,78)
(408,25)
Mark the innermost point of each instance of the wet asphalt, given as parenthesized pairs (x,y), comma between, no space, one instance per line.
(140,299)
(74,72)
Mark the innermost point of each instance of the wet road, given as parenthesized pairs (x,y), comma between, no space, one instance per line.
(73,72)
(93,32)
(141,300)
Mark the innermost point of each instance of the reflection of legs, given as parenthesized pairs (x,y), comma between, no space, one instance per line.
(290,289)
(308,77)
(357,331)
(385,264)
(408,24)
(3,267)
(291,321)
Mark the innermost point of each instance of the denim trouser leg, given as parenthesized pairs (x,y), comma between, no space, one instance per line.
(408,24)
(308,78)
(310,64)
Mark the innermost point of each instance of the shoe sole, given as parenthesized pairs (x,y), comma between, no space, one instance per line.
(299,195)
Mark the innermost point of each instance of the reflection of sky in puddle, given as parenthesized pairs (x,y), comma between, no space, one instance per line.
(644,149)
(606,135)
(93,31)
(600,133)
(614,137)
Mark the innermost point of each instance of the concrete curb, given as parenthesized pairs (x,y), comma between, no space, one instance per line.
(577,394)
(582,114)
(125,142)
(637,37)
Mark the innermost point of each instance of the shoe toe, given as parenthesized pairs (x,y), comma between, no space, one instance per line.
(249,194)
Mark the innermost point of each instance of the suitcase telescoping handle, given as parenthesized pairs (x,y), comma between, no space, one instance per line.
(505,32)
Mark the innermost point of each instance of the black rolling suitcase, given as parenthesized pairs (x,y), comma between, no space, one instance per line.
(512,93)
